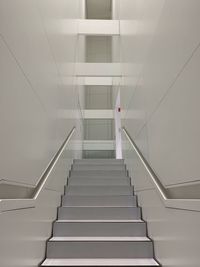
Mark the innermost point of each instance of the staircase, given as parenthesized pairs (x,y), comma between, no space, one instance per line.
(99,222)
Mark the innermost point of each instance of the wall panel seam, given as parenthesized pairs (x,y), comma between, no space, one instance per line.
(22,71)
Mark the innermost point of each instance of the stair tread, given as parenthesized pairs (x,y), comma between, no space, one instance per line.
(100,262)
(102,221)
(99,190)
(99,161)
(99,229)
(99,201)
(115,172)
(72,176)
(92,198)
(99,173)
(98,166)
(89,164)
(109,213)
(100,238)
(99,179)
(99,206)
(100,186)
(99,195)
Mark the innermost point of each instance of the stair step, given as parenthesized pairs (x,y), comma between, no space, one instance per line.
(99,161)
(101,173)
(99,201)
(99,222)
(99,249)
(84,167)
(99,181)
(130,229)
(72,176)
(99,190)
(96,213)
(100,262)
(100,238)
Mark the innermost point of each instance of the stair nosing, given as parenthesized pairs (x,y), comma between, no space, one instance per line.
(101,221)
(104,262)
(115,207)
(97,206)
(99,239)
(101,186)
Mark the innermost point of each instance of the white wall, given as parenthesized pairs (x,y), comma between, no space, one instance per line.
(160,57)
(24,232)
(98,9)
(98,97)
(37,55)
(99,129)
(165,96)
(40,102)
(98,49)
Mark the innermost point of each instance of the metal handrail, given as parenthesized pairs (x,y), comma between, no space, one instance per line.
(13,204)
(191,204)
(51,165)
(158,184)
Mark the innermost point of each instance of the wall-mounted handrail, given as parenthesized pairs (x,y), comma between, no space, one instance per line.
(185,204)
(160,187)
(14,204)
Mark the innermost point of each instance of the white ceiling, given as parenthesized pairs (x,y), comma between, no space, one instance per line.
(98,9)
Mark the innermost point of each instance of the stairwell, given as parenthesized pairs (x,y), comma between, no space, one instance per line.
(99,222)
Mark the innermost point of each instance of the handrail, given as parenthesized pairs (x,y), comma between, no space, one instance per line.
(185,204)
(160,187)
(13,204)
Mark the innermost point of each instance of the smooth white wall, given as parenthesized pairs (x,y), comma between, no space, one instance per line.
(24,232)
(40,102)
(163,99)
(98,97)
(160,55)
(99,129)
(98,49)
(38,41)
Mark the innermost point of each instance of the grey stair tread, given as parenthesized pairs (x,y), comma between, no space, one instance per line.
(99,161)
(111,173)
(99,190)
(99,249)
(99,213)
(106,201)
(99,164)
(116,177)
(100,238)
(114,167)
(96,228)
(99,181)
(100,220)
(100,262)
